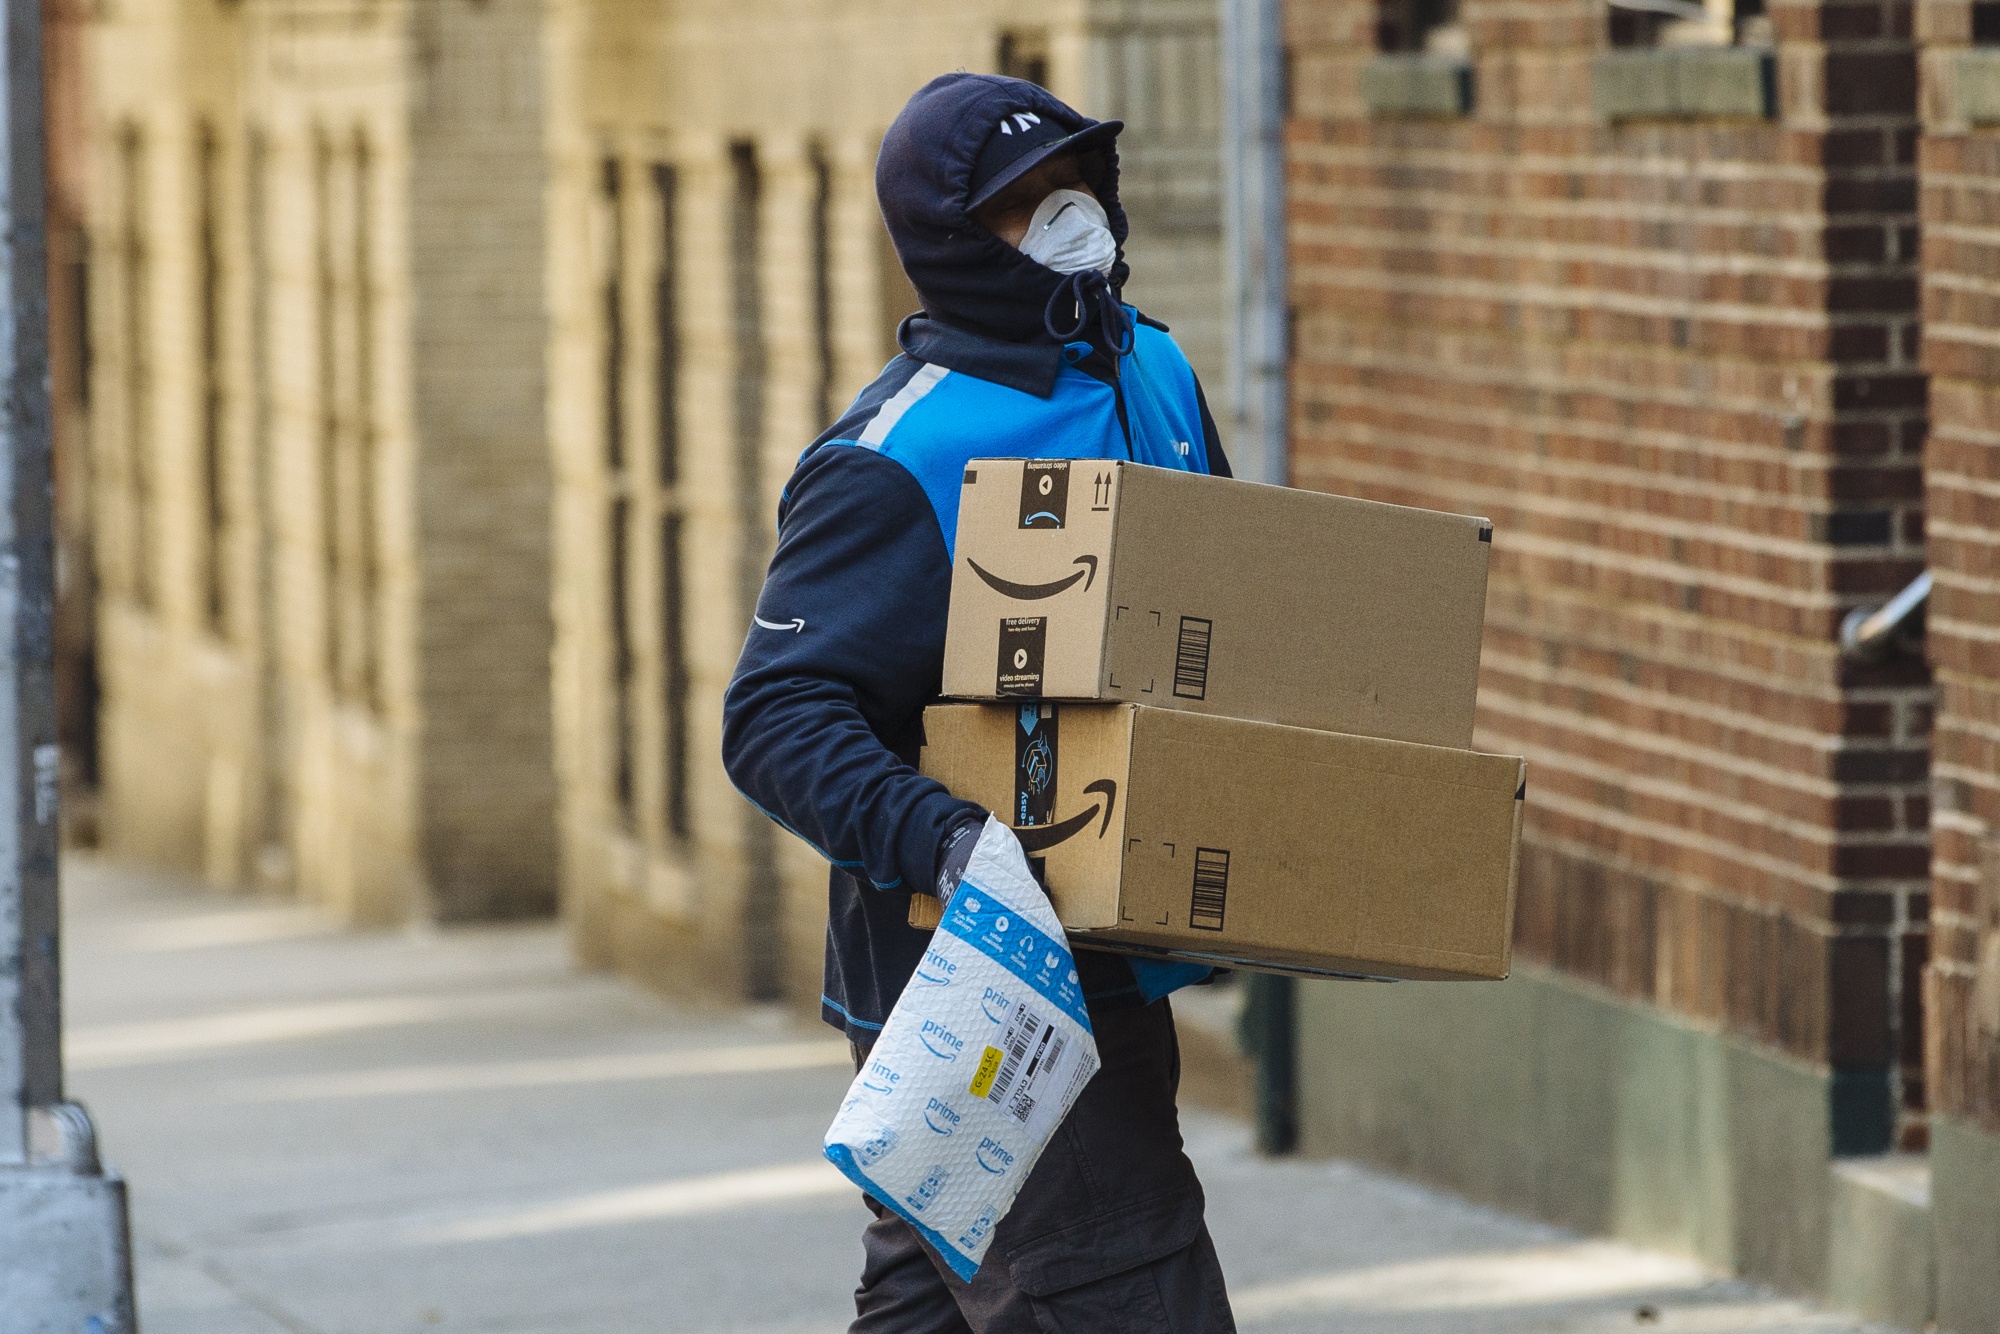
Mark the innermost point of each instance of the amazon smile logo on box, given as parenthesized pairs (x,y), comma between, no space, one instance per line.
(1036,592)
(1040,838)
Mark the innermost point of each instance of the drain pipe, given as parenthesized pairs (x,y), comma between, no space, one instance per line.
(1869,633)
(1253,231)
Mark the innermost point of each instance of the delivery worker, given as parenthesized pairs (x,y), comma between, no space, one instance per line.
(1003,205)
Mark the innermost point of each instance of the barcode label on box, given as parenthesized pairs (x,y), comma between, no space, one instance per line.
(1191,658)
(1211,889)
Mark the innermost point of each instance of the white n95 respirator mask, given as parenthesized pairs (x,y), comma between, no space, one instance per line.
(1069,233)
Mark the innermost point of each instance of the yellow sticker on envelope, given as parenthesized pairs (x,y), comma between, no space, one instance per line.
(989,1066)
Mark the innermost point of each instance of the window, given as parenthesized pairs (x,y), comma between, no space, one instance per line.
(325,325)
(674,674)
(618,518)
(135,352)
(344,272)
(1986,23)
(1427,26)
(612,294)
(365,439)
(1686,60)
(822,286)
(273,855)
(1423,65)
(1024,54)
(646,640)
(1689,23)
(212,554)
(666,324)
(746,299)
(619,594)
(763,893)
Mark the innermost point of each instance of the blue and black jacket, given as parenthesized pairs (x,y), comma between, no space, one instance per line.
(822,723)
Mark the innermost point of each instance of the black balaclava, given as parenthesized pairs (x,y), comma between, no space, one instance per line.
(966,276)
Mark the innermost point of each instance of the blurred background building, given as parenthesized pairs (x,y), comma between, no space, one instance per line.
(720,286)
(441,361)
(378,288)
(1644,284)
(321,474)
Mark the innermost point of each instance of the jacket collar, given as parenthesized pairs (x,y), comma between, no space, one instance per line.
(1028,367)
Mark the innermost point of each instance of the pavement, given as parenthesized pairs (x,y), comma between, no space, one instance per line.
(332,1132)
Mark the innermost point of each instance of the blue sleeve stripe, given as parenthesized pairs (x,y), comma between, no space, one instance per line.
(841,1010)
(845,866)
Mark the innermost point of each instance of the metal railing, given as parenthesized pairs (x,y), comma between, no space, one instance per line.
(1870,634)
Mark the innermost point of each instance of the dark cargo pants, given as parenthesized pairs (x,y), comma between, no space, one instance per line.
(1107,1235)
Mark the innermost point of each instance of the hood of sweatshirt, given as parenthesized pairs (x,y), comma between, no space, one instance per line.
(967,277)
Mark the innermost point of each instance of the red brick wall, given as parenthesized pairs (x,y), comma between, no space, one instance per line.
(1961,215)
(1677,366)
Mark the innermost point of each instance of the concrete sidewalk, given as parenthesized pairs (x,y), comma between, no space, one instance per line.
(365,1133)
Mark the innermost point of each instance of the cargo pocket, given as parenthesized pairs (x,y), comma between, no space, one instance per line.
(1096,1275)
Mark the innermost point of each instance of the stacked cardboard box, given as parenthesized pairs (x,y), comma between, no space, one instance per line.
(1231,722)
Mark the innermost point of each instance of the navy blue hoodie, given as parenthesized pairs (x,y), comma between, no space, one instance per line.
(822,723)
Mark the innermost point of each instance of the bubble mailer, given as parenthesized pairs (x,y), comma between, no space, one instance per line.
(980,1060)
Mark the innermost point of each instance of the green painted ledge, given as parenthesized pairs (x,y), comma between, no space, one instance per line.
(1965,1203)
(1417,85)
(1881,1250)
(1544,1095)
(1683,83)
(1976,87)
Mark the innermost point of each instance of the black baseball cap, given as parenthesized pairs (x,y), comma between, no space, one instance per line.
(1022,141)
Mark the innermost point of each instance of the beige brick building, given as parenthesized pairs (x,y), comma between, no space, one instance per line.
(448,358)
(321,474)
(720,286)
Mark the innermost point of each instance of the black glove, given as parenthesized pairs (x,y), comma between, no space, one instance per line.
(953,855)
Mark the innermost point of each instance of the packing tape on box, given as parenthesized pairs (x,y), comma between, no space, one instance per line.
(983,1055)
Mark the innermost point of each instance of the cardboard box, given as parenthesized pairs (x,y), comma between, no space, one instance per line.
(1245,843)
(1088,580)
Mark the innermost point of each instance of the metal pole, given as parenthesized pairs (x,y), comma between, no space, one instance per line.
(65,1257)
(1253,223)
(1269,1033)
